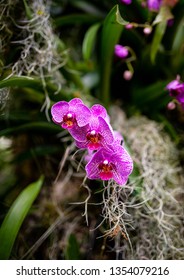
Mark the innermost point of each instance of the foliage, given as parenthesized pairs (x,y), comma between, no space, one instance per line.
(15,217)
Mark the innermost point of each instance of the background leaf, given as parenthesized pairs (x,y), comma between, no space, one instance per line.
(111,32)
(163,15)
(89,41)
(161,20)
(72,248)
(33,126)
(15,216)
(158,35)
(75,19)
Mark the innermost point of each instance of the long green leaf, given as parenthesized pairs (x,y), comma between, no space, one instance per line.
(158,35)
(15,216)
(33,126)
(74,19)
(23,81)
(36,152)
(163,15)
(111,32)
(161,21)
(89,41)
(87,7)
(33,83)
(149,94)
(178,38)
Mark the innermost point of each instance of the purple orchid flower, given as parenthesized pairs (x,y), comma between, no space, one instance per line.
(112,163)
(176,90)
(71,115)
(120,51)
(98,133)
(154,5)
(127,2)
(118,140)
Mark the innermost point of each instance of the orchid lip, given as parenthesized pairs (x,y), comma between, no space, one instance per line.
(93,136)
(105,166)
(106,169)
(68,120)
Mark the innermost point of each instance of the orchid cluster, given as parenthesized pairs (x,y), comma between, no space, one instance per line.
(90,128)
(176,90)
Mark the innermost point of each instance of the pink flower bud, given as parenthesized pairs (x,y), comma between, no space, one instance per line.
(127,75)
(129,26)
(171,105)
(147,30)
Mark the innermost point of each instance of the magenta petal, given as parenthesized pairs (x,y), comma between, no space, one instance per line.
(105,131)
(125,163)
(180,98)
(118,138)
(92,166)
(99,111)
(127,2)
(92,171)
(75,101)
(58,110)
(82,114)
(81,144)
(121,180)
(154,5)
(79,133)
(172,84)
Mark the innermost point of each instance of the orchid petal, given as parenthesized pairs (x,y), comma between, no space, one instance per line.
(58,110)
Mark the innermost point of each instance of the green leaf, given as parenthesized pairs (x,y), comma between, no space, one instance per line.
(36,152)
(72,250)
(33,126)
(74,19)
(178,38)
(89,41)
(111,32)
(119,18)
(161,20)
(23,81)
(33,83)
(158,35)
(87,7)
(15,217)
(164,15)
(150,94)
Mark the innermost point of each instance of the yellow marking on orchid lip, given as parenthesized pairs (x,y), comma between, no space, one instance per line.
(93,136)
(105,166)
(69,119)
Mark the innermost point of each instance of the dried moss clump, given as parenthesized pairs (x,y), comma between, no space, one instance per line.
(156,207)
